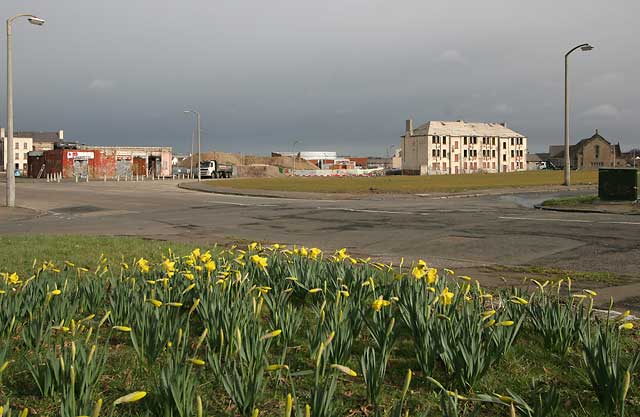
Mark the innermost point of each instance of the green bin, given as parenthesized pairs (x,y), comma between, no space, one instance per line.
(618,184)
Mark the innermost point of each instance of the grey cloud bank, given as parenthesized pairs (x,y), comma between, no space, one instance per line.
(338,75)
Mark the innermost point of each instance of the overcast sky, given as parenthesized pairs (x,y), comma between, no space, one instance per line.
(336,74)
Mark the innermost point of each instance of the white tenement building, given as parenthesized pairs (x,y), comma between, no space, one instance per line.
(462,147)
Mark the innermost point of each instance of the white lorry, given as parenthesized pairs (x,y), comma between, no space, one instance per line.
(213,169)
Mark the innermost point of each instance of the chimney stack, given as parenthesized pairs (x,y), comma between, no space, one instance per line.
(409,127)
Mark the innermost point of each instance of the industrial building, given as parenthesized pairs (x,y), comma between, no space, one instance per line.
(459,147)
(98,162)
(25,142)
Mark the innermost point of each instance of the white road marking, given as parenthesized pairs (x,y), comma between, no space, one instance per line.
(257,197)
(243,204)
(365,210)
(546,220)
(565,220)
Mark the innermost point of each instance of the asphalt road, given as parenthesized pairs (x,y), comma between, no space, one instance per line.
(453,232)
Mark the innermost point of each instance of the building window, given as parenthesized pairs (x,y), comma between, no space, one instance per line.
(512,153)
(17,145)
(475,152)
(511,141)
(444,140)
(444,166)
(455,145)
(17,156)
(433,153)
(444,153)
(493,141)
(597,151)
(464,153)
(504,157)
(464,140)
(493,154)
(25,146)
(504,145)
(455,157)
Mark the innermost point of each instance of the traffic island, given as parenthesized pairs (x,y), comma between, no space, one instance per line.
(590,204)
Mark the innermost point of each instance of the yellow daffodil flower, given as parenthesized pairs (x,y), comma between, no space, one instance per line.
(432,276)
(446,297)
(143,265)
(626,326)
(345,370)
(129,398)
(260,261)
(378,303)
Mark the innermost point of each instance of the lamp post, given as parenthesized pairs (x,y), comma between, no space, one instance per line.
(11,179)
(198,129)
(293,147)
(567,158)
(193,132)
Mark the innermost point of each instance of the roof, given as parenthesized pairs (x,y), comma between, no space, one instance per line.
(39,136)
(537,157)
(557,151)
(462,128)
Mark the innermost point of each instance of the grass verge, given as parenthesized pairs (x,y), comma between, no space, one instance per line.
(409,184)
(18,253)
(571,201)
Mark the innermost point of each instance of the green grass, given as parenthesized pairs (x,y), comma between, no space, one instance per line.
(17,253)
(409,184)
(571,201)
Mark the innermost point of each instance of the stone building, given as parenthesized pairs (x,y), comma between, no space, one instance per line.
(459,147)
(590,153)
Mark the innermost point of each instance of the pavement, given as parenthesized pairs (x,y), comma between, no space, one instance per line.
(464,234)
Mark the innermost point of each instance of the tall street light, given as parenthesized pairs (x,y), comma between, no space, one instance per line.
(193,132)
(567,158)
(198,130)
(11,179)
(293,172)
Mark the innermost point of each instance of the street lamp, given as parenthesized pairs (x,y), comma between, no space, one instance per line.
(293,147)
(11,179)
(198,129)
(567,159)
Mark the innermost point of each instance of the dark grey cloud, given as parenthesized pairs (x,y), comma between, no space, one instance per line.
(338,75)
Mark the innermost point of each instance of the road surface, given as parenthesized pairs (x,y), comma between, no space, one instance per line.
(454,232)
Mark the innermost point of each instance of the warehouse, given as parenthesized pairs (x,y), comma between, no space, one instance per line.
(101,161)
